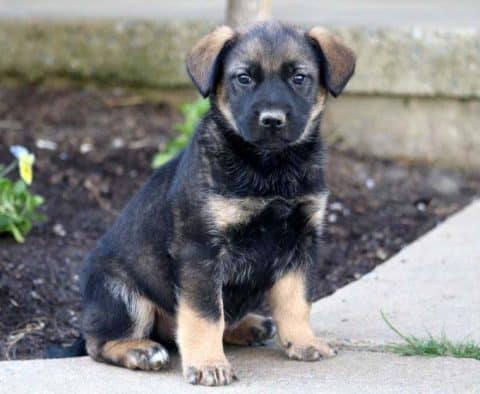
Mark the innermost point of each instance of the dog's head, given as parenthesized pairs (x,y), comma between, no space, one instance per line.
(270,81)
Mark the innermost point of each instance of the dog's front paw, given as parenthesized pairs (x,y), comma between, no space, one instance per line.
(313,351)
(214,374)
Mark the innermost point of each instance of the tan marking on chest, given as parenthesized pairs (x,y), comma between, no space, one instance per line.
(225,212)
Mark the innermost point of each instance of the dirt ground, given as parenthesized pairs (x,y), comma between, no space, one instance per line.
(105,140)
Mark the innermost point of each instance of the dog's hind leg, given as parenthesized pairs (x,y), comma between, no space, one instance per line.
(117,324)
(252,330)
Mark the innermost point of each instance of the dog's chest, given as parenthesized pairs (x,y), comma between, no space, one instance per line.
(258,234)
(225,214)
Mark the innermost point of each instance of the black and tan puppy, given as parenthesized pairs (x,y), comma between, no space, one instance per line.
(234,218)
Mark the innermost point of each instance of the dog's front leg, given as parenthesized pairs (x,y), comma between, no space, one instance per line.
(200,325)
(291,313)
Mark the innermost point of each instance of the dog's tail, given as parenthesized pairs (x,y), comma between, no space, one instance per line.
(76,349)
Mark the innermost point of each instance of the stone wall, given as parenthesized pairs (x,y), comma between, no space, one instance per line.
(415,94)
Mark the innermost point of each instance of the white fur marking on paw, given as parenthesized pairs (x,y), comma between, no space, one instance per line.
(160,356)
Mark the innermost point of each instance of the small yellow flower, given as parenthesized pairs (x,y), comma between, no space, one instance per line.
(25,162)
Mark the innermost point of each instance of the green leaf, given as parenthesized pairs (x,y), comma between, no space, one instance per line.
(160,159)
(17,234)
(18,209)
(20,187)
(4,222)
(192,113)
(38,200)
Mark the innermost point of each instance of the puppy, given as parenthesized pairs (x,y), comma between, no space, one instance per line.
(232,220)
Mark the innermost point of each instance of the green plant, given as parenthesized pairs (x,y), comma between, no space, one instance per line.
(192,113)
(18,207)
(431,346)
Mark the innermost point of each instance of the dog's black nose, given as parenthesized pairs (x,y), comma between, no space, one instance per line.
(272,119)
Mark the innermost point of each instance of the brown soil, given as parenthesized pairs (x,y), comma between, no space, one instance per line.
(105,141)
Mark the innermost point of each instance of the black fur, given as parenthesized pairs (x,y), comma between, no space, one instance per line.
(74,350)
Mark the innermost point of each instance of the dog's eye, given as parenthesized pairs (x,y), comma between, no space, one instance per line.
(298,79)
(244,79)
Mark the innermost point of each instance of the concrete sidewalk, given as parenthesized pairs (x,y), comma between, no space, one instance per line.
(260,370)
(431,285)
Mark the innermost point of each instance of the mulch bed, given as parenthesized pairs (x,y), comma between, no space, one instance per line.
(105,141)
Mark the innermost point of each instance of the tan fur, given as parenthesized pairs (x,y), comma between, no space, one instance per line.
(225,212)
(340,59)
(316,205)
(255,49)
(315,112)
(224,107)
(202,57)
(241,333)
(199,340)
(291,313)
(134,354)
(165,325)
(144,315)
(140,309)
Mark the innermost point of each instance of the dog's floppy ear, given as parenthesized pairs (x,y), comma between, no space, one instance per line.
(337,60)
(202,61)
